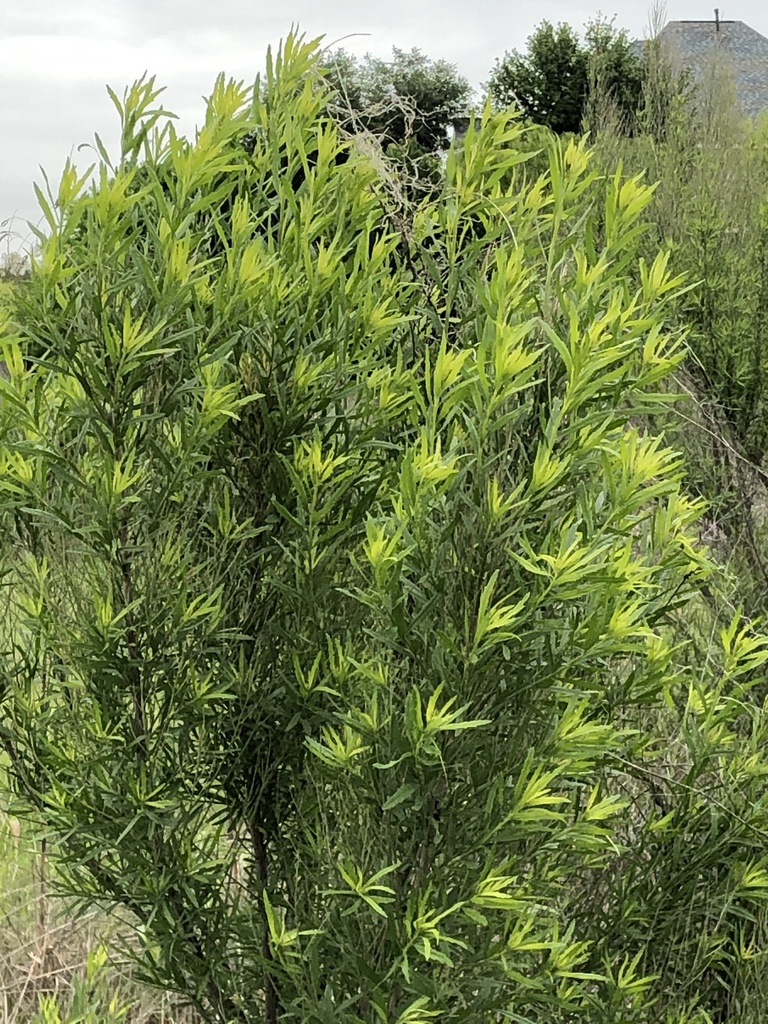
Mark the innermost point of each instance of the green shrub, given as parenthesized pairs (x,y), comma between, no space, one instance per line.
(6,291)
(338,645)
(92,1000)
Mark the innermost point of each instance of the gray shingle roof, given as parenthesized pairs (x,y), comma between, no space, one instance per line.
(694,43)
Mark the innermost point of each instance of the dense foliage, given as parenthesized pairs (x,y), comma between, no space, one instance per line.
(343,581)
(410,101)
(553,81)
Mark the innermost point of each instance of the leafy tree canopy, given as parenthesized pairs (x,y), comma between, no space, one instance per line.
(408,100)
(552,81)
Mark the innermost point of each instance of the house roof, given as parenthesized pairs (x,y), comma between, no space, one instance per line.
(695,42)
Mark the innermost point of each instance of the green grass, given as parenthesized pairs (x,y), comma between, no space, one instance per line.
(6,289)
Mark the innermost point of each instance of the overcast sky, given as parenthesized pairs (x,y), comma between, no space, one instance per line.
(57,56)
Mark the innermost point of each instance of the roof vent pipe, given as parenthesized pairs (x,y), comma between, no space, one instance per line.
(717,19)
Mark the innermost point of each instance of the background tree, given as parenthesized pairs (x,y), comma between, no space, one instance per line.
(551,82)
(616,72)
(410,101)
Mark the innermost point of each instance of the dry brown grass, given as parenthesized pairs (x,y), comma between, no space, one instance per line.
(45,948)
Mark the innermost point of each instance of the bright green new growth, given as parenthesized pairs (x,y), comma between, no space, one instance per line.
(338,565)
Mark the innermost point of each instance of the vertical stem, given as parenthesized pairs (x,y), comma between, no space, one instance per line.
(271,1001)
(44,951)
(139,723)
(42,902)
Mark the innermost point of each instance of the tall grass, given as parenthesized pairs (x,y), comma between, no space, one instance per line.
(57,967)
(710,169)
(710,209)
